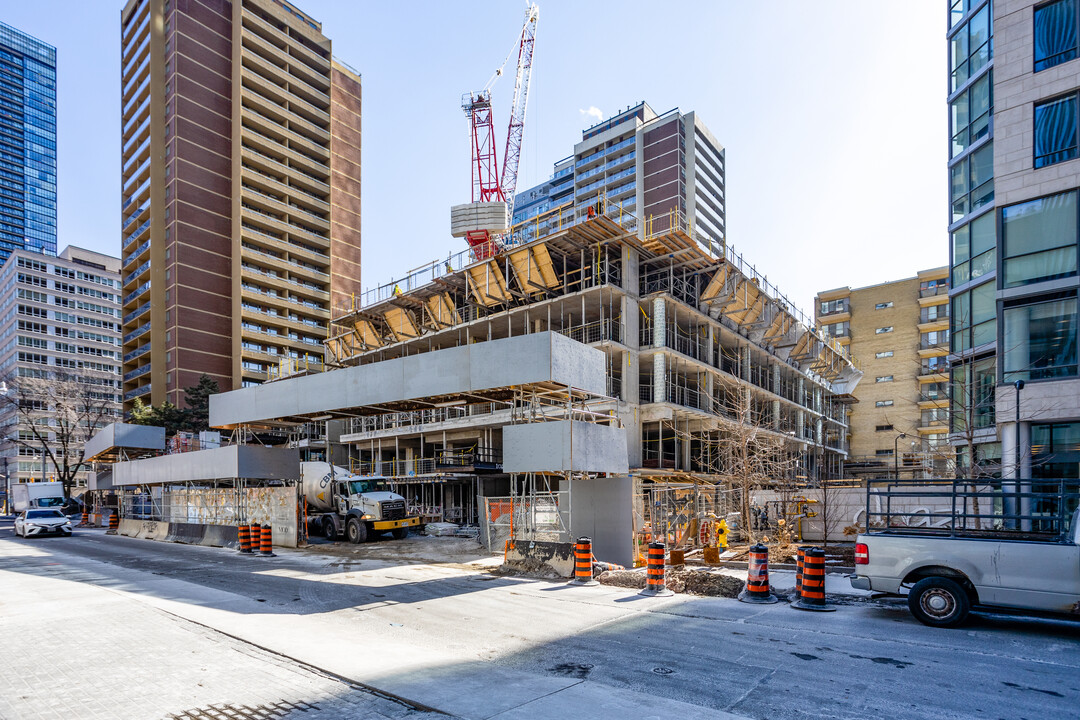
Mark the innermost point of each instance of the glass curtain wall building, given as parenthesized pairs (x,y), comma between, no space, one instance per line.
(27,143)
(973,235)
(1015,228)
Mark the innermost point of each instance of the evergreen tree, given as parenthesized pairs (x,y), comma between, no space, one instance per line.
(197,398)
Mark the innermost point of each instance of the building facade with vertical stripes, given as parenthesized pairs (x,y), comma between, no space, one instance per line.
(651,165)
(240,204)
(1014,80)
(27,144)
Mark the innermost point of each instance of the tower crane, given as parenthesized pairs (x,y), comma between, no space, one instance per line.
(490,183)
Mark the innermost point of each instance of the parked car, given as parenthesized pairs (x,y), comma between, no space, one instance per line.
(30,523)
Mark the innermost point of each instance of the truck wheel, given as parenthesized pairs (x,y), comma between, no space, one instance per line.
(356,531)
(939,602)
(329,529)
(400,533)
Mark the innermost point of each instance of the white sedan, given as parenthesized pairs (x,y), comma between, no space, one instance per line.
(42,522)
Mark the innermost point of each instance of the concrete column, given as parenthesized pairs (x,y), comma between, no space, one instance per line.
(659,321)
(744,356)
(1009,470)
(659,378)
(776,378)
(711,353)
(776,414)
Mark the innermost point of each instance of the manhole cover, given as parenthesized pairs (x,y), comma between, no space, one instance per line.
(662,671)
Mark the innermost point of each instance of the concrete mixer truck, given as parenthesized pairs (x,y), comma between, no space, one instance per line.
(340,501)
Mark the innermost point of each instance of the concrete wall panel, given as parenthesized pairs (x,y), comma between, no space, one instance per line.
(539,357)
(125,435)
(603,510)
(563,445)
(430,375)
(232,461)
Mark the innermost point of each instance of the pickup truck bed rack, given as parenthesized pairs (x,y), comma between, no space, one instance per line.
(1033,509)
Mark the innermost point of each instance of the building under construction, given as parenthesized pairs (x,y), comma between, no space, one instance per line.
(694,340)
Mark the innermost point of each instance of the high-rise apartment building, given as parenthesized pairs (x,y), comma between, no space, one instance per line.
(899,334)
(240,192)
(652,166)
(27,144)
(60,317)
(1014,69)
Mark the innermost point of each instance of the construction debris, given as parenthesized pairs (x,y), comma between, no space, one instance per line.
(689,581)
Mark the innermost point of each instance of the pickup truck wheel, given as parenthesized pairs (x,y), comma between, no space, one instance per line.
(356,531)
(939,602)
(329,529)
(400,533)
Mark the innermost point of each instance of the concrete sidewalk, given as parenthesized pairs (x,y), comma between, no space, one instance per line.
(74,649)
(150,659)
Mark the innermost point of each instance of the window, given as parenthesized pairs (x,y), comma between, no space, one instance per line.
(882,306)
(1039,239)
(972,400)
(883,378)
(1040,341)
(883,403)
(971,47)
(1055,131)
(1055,33)
(933,365)
(883,354)
(934,338)
(1055,450)
(974,318)
(883,428)
(834,306)
(837,329)
(973,247)
(933,391)
(886,451)
(932,313)
(972,181)
(883,330)
(970,113)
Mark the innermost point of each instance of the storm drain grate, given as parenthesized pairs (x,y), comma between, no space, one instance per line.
(242,712)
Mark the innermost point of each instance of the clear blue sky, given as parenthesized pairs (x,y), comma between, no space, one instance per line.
(833,115)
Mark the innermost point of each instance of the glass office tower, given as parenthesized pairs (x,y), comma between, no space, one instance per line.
(27,143)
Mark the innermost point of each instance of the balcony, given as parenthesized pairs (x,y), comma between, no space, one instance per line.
(137,392)
(136,333)
(136,292)
(137,373)
(137,352)
(136,312)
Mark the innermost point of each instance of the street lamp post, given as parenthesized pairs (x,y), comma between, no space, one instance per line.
(896,456)
(1024,504)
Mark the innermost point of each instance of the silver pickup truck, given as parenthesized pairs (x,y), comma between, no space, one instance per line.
(954,545)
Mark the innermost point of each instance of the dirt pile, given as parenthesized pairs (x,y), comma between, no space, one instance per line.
(684,580)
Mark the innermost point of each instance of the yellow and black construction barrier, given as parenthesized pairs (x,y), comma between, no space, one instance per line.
(812,586)
(654,572)
(757,577)
(583,562)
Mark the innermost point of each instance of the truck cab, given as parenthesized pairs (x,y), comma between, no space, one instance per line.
(352,504)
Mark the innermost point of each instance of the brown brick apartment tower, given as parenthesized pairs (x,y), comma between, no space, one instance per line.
(240,192)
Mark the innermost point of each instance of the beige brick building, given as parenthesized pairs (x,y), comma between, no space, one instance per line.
(898,332)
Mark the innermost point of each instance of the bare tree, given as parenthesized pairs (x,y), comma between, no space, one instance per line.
(745,449)
(57,413)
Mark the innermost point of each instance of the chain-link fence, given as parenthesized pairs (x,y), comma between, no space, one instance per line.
(542,517)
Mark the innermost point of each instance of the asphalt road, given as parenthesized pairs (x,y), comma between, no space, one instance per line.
(469,631)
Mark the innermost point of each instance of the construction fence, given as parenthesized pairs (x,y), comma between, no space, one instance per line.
(541,517)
